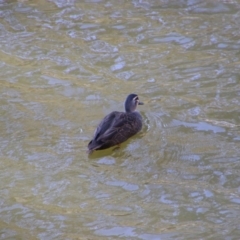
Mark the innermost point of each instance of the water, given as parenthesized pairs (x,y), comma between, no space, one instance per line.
(66,64)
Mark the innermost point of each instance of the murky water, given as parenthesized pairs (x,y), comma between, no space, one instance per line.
(66,64)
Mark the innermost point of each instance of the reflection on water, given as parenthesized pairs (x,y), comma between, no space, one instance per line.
(65,65)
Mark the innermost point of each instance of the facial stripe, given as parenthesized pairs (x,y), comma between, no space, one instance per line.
(135,98)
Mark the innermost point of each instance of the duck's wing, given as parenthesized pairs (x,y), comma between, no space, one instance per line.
(123,126)
(114,129)
(106,124)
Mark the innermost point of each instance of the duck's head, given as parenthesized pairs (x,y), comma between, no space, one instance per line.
(131,102)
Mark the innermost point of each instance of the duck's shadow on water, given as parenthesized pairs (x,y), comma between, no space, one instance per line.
(115,152)
(100,154)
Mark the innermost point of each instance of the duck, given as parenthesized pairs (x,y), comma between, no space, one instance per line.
(116,127)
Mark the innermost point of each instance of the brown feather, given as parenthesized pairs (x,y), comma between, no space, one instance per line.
(115,128)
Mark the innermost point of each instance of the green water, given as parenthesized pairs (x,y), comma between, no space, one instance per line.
(64,65)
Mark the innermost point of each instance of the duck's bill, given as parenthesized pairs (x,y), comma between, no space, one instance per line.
(140,103)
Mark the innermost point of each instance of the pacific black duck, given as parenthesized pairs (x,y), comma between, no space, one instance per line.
(117,127)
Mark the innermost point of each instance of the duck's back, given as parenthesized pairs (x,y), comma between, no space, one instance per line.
(129,125)
(116,128)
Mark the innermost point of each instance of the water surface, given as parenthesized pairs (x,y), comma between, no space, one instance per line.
(66,64)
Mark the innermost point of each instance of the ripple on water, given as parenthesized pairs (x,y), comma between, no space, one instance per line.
(66,64)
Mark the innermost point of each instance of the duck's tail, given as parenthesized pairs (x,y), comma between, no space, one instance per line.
(92,145)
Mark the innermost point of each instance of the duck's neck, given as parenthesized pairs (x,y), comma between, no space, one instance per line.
(128,109)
